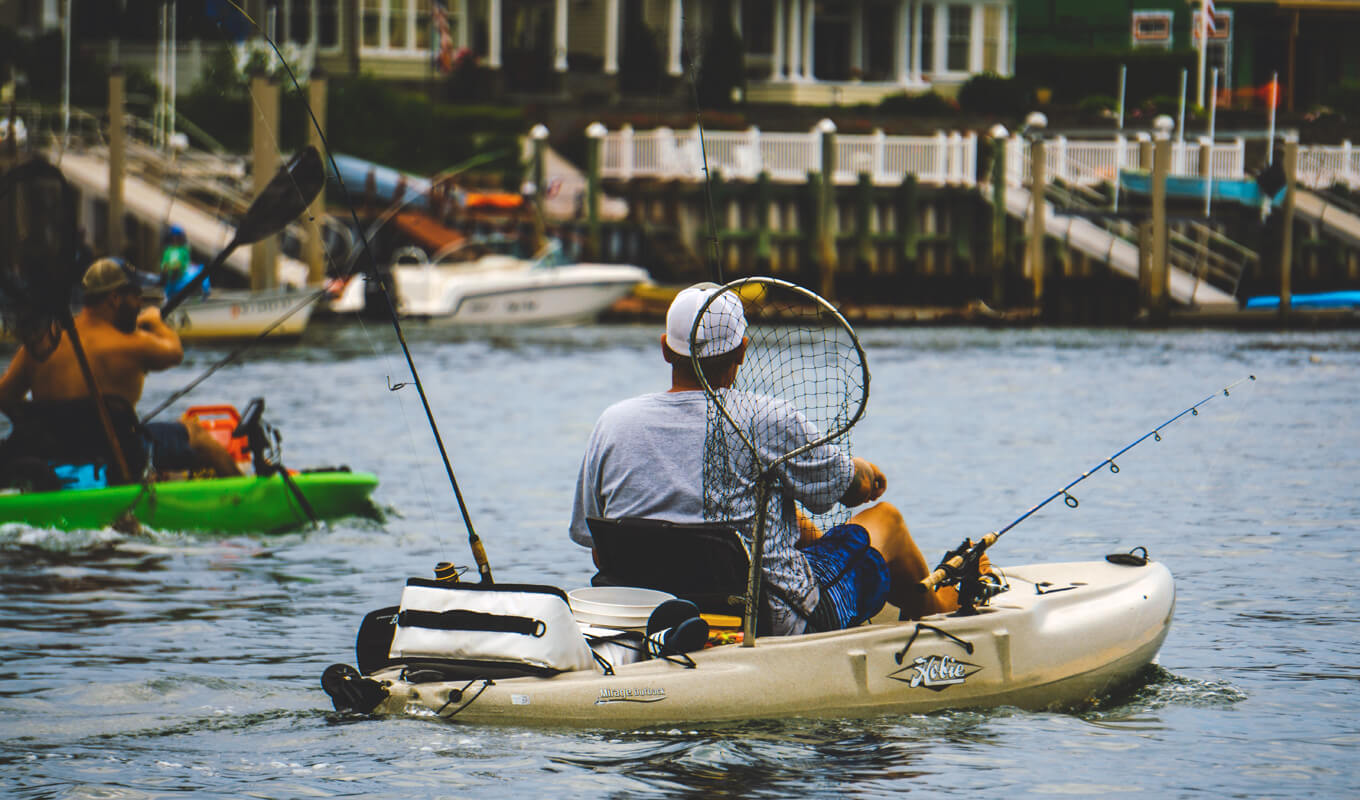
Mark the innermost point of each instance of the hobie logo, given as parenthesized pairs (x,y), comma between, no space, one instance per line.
(935,672)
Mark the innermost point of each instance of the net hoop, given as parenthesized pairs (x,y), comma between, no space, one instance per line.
(824,307)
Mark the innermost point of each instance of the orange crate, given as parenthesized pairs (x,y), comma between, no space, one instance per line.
(220,421)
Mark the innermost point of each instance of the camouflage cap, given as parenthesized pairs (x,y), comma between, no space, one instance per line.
(105,275)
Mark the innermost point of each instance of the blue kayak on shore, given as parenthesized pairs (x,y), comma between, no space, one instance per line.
(1346,299)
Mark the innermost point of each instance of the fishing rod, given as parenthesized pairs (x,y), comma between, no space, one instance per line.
(714,251)
(383,279)
(233,355)
(966,556)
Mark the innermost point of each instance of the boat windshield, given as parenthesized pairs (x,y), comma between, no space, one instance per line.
(466,251)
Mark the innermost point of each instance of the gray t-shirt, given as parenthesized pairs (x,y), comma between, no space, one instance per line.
(646,458)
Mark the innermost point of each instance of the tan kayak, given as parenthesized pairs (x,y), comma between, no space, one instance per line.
(1062,635)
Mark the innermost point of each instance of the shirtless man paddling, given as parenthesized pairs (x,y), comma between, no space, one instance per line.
(123,342)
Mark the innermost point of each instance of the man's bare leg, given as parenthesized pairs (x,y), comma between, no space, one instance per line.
(888,535)
(211,452)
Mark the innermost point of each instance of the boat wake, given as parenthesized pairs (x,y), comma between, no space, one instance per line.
(1156,687)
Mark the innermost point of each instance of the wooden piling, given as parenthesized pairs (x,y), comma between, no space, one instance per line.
(1158,287)
(595,143)
(999,220)
(826,209)
(1290,159)
(117,159)
(264,94)
(1037,226)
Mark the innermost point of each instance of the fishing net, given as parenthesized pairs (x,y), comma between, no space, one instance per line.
(802,357)
(39,264)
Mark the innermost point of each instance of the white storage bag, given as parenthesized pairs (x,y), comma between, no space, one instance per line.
(490,630)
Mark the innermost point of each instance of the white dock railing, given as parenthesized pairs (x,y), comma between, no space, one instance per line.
(1321,166)
(788,157)
(942,159)
(1087,162)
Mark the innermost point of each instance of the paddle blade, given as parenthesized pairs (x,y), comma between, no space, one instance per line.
(286,196)
(39,264)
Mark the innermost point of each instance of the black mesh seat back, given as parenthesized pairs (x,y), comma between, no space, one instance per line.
(707,564)
(70,431)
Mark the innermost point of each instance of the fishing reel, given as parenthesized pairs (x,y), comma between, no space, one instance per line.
(976,588)
(263,439)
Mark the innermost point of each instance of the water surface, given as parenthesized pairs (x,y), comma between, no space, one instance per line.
(173,664)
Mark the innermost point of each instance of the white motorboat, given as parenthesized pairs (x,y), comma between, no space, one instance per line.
(476,285)
(1061,636)
(233,314)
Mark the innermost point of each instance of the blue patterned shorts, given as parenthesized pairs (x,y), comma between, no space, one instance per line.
(853,577)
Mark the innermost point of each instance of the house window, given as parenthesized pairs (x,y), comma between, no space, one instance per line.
(309,23)
(328,24)
(396,27)
(1153,29)
(928,39)
(960,38)
(297,21)
(880,40)
(370,17)
(757,30)
(993,31)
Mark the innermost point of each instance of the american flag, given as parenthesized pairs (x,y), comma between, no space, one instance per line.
(443,39)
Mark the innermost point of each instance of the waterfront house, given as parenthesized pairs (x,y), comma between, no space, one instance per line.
(812,52)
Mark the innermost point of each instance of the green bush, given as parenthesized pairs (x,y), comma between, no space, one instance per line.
(1073,76)
(371,119)
(1344,99)
(1098,104)
(992,94)
(374,120)
(928,103)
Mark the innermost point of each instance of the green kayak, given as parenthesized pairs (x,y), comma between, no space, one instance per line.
(229,505)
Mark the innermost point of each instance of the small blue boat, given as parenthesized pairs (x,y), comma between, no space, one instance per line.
(1237,190)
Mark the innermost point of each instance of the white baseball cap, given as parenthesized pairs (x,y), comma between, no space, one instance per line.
(723,326)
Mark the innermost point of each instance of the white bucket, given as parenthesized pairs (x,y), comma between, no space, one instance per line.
(621,607)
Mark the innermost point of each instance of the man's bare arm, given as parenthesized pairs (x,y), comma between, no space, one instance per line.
(159,346)
(867,484)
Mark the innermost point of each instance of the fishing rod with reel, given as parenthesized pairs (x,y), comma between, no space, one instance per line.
(383,279)
(962,566)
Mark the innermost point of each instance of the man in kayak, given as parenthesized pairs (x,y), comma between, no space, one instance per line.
(645,459)
(123,342)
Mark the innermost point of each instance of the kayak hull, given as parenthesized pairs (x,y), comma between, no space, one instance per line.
(1063,635)
(230,505)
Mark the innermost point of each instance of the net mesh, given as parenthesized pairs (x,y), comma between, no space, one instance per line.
(801,353)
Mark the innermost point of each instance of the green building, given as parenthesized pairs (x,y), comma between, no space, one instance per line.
(1308,44)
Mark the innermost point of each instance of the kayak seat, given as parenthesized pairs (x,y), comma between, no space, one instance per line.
(706,564)
(70,432)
